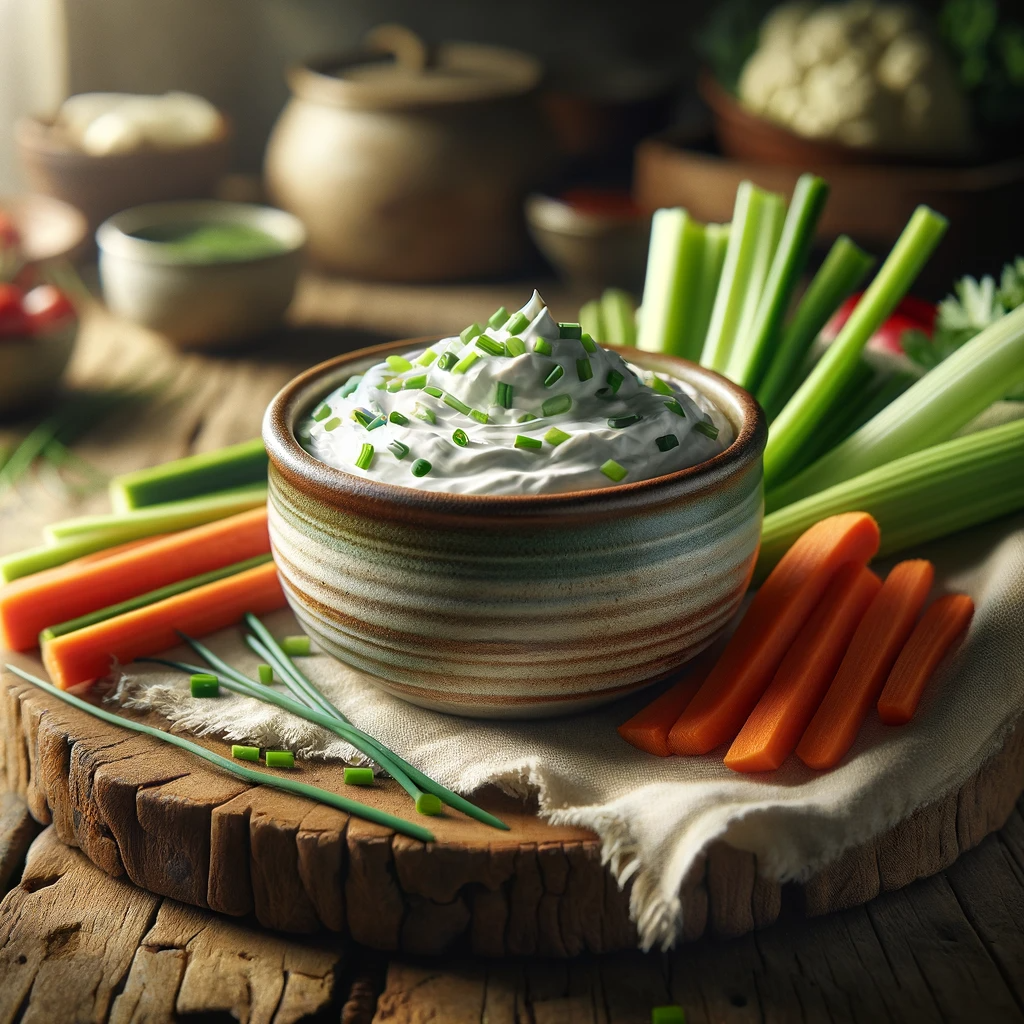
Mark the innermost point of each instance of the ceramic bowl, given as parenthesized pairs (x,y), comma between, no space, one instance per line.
(31,366)
(514,606)
(197,304)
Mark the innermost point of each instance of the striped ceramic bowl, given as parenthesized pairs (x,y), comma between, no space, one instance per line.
(514,606)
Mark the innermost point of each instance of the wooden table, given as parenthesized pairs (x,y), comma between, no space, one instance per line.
(76,944)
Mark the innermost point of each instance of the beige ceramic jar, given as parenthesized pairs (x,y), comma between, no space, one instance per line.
(411,165)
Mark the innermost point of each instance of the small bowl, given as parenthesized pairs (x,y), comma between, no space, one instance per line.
(514,606)
(31,366)
(49,229)
(592,249)
(199,304)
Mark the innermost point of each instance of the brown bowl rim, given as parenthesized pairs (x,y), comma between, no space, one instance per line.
(330,484)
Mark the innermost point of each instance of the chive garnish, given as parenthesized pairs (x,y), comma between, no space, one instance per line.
(350,385)
(398,418)
(522,441)
(245,753)
(414,383)
(514,346)
(295,646)
(480,417)
(365,456)
(434,392)
(573,331)
(280,759)
(425,414)
(265,674)
(490,346)
(605,394)
(504,395)
(447,361)
(675,407)
(358,776)
(707,429)
(470,333)
(556,404)
(517,322)
(498,317)
(466,362)
(667,442)
(363,416)
(541,346)
(322,412)
(398,363)
(461,438)
(588,342)
(202,684)
(584,371)
(395,384)
(398,449)
(618,422)
(526,417)
(456,403)
(614,380)
(554,376)
(426,358)
(614,471)
(332,423)
(421,467)
(657,384)
(555,436)
(377,421)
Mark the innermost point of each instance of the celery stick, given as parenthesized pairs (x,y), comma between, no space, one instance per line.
(235,466)
(928,494)
(716,241)
(619,314)
(592,320)
(165,518)
(933,409)
(845,266)
(33,560)
(752,351)
(806,410)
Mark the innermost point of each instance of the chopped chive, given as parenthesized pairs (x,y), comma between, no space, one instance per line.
(556,404)
(657,384)
(707,429)
(280,759)
(490,346)
(350,385)
(515,347)
(322,412)
(447,361)
(614,380)
(526,417)
(667,442)
(554,376)
(201,684)
(605,394)
(245,753)
(421,467)
(399,418)
(618,422)
(504,396)
(675,407)
(470,333)
(428,803)
(425,414)
(555,437)
(573,331)
(332,423)
(377,421)
(266,674)
(455,403)
(398,449)
(414,383)
(395,384)
(517,322)
(363,416)
(588,342)
(541,346)
(522,441)
(295,646)
(365,456)
(426,358)
(461,438)
(358,777)
(433,391)
(480,417)
(498,317)
(398,363)
(614,471)
(584,371)
(466,362)
(381,386)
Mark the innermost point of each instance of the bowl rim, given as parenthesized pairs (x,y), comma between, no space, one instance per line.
(332,485)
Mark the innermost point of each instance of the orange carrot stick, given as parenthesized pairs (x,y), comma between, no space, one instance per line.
(939,627)
(56,595)
(771,623)
(881,634)
(648,729)
(85,655)
(777,723)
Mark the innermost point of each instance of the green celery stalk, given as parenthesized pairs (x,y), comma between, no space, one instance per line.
(33,560)
(845,266)
(619,314)
(808,408)
(592,320)
(933,409)
(916,498)
(716,242)
(219,470)
(752,350)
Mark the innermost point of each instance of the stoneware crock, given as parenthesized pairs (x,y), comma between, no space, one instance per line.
(514,606)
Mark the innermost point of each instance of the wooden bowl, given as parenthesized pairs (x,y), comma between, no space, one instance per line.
(514,606)
(49,229)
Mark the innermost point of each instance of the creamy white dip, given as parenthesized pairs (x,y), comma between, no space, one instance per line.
(521,406)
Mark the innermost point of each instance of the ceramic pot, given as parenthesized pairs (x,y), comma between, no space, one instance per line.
(411,168)
(514,606)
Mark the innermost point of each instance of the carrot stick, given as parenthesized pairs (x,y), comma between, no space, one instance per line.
(31,604)
(777,723)
(939,627)
(648,729)
(881,634)
(775,616)
(86,654)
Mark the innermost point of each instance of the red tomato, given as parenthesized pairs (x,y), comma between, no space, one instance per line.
(47,306)
(13,320)
(9,236)
(912,314)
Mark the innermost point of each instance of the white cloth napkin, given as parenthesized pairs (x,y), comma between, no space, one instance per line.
(655,816)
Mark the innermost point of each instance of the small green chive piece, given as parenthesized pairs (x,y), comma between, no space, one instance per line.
(573,331)
(433,391)
(322,412)
(707,429)
(461,438)
(605,394)
(280,759)
(531,443)
(447,361)
(350,385)
(358,776)
(363,416)
(414,383)
(515,346)
(584,371)
(490,346)
(470,333)
(668,1015)
(541,346)
(618,422)
(614,380)
(556,404)
(667,442)
(554,376)
(675,407)
(398,363)
(395,384)
(266,674)
(555,437)
(456,403)
(332,423)
(517,322)
(425,414)
(421,467)
(398,449)
(526,417)
(480,417)
(245,753)
(427,358)
(657,384)
(295,646)
(427,803)
(202,684)
(377,421)
(365,457)
(588,342)
(466,362)
(399,418)
(504,395)
(498,317)
(614,471)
